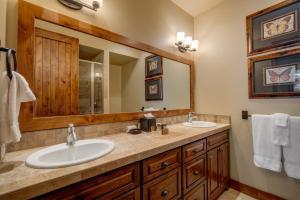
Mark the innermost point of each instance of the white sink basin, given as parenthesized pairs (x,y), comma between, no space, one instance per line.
(200,124)
(62,155)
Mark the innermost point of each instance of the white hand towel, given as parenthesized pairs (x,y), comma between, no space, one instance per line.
(13,92)
(266,154)
(281,129)
(291,153)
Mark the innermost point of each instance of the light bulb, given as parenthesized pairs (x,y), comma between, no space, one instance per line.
(180,37)
(194,45)
(188,41)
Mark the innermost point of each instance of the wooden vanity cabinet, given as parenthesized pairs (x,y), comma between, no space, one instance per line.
(196,171)
(109,186)
(217,164)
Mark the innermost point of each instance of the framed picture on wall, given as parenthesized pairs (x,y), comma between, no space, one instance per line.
(275,75)
(153,66)
(154,89)
(274,28)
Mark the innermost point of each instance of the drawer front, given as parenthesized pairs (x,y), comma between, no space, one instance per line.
(117,182)
(198,193)
(165,187)
(160,164)
(131,195)
(193,150)
(216,140)
(194,172)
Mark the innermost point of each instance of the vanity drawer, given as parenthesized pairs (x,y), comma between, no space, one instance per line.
(160,164)
(191,151)
(111,184)
(165,187)
(198,193)
(217,139)
(131,195)
(194,172)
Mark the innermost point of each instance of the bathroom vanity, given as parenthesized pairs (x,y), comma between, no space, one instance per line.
(188,163)
(198,170)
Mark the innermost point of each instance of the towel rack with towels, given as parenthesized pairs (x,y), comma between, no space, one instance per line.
(9,52)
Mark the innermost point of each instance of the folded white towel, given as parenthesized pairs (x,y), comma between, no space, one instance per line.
(281,129)
(281,119)
(266,154)
(291,153)
(13,92)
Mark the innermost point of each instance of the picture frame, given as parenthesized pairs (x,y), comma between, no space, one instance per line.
(154,89)
(274,75)
(274,28)
(153,66)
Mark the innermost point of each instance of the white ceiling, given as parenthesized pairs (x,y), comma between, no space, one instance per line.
(196,7)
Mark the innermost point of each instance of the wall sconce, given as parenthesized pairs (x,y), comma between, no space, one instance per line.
(186,43)
(77,4)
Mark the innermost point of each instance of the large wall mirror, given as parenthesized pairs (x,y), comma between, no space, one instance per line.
(84,75)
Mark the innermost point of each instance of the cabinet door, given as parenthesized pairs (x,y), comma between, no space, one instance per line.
(198,193)
(223,156)
(213,173)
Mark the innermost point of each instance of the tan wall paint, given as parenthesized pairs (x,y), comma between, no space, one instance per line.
(2,31)
(221,88)
(115,88)
(154,22)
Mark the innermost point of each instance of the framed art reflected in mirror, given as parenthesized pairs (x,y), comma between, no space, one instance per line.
(274,28)
(275,75)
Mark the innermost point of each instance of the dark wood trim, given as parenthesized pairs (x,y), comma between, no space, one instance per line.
(249,18)
(251,62)
(27,14)
(253,192)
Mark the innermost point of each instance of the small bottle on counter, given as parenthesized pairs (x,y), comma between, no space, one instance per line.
(163,128)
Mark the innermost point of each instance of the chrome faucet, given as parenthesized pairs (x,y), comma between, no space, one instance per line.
(71,139)
(190,117)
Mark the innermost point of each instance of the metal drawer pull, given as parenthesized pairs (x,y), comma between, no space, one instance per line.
(164,165)
(164,193)
(196,172)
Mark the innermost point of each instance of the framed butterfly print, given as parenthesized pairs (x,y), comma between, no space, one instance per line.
(154,89)
(274,28)
(275,75)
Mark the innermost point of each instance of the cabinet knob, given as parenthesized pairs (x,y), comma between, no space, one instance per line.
(196,172)
(164,165)
(164,193)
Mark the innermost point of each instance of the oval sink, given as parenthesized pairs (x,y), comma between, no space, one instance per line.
(200,124)
(62,155)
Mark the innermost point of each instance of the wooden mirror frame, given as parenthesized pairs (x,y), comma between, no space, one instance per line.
(26,24)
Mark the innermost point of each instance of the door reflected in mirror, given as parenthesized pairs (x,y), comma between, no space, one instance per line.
(78,74)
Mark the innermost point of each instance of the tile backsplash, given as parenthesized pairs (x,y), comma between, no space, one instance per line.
(56,136)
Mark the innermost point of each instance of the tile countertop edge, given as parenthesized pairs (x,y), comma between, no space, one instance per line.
(46,183)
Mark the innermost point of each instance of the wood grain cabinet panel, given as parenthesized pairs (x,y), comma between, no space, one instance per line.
(194,172)
(218,170)
(217,139)
(213,184)
(131,195)
(55,74)
(112,184)
(191,151)
(198,193)
(160,164)
(166,187)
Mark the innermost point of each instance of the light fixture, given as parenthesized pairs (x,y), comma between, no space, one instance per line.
(77,4)
(186,43)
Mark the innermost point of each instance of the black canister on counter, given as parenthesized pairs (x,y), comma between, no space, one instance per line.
(148,124)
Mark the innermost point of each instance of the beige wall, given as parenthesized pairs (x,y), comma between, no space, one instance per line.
(221,88)
(2,31)
(115,88)
(154,22)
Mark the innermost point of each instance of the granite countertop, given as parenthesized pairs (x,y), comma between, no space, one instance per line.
(17,181)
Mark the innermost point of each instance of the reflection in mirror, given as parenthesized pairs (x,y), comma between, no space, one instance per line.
(77,74)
